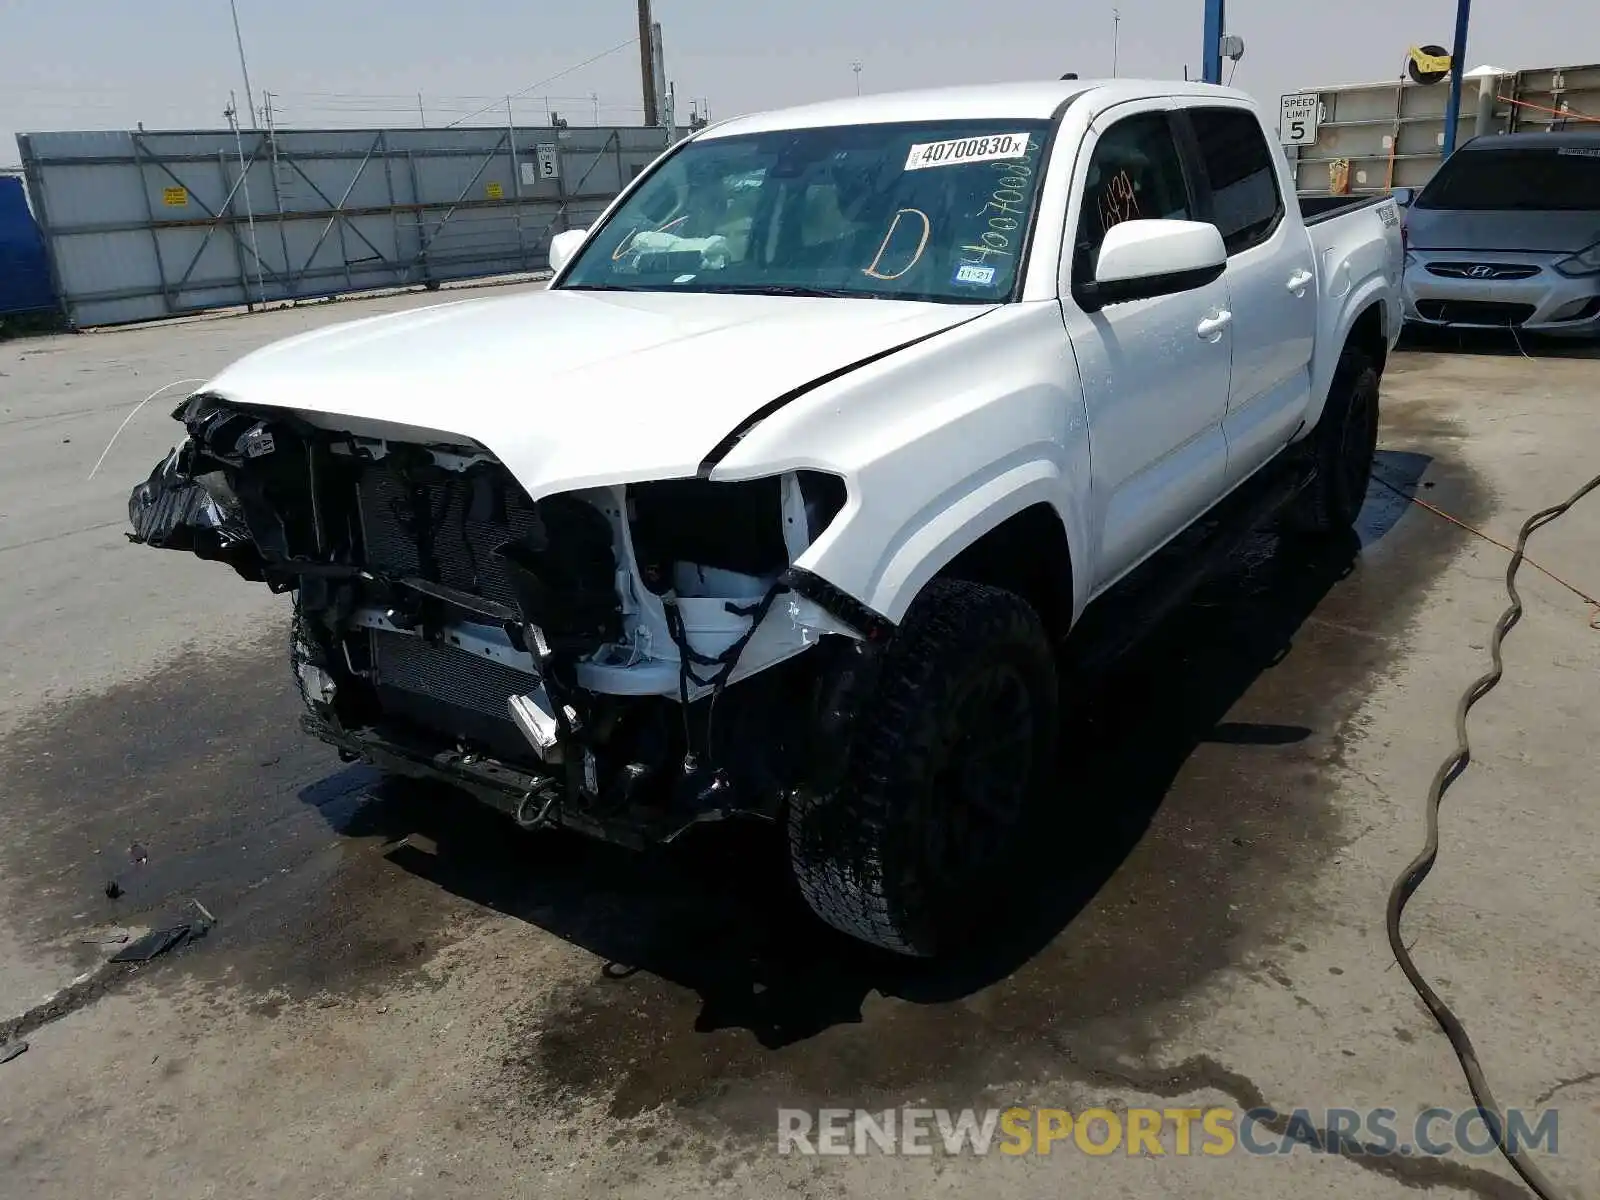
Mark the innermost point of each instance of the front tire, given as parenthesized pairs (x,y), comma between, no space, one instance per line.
(1342,448)
(914,851)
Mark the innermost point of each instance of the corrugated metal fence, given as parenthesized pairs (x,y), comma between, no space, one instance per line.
(145,225)
(24,271)
(1393,136)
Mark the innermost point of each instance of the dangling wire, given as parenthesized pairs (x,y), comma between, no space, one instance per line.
(125,420)
(725,663)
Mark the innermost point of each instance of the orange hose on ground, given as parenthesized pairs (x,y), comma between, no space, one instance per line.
(1457,521)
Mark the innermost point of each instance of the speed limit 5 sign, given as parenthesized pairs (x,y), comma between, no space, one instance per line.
(1297,119)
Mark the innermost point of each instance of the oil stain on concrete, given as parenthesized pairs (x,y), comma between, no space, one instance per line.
(196,784)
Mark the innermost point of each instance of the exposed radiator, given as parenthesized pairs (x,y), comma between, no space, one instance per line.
(469,517)
(447,674)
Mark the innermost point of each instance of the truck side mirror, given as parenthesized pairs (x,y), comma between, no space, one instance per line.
(1142,259)
(564,245)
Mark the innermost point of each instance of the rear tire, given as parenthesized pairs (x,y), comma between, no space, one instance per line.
(914,852)
(1341,448)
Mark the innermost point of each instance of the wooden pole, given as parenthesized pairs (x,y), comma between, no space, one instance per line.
(647,65)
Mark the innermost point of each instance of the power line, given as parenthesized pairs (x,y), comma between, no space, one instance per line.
(542,82)
(291,100)
(359,116)
(410,97)
(244,68)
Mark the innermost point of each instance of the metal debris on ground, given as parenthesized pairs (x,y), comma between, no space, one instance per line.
(11,1050)
(159,941)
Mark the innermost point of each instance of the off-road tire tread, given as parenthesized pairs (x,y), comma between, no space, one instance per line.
(1317,511)
(843,875)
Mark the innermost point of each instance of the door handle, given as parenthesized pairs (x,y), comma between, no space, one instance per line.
(1210,329)
(1299,280)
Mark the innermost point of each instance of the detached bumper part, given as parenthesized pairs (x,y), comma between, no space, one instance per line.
(315,683)
(172,510)
(536,718)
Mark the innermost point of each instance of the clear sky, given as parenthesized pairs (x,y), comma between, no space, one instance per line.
(108,64)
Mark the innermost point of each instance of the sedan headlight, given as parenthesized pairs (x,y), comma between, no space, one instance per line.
(1585,262)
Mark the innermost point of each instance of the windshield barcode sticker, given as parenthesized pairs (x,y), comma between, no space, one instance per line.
(967,150)
(1578,151)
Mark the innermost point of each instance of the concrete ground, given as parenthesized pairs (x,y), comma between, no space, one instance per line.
(402,998)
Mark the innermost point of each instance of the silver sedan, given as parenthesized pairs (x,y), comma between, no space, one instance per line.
(1508,234)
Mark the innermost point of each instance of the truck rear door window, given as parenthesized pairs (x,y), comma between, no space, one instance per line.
(1246,202)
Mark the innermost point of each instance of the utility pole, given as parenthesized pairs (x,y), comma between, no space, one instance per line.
(422,114)
(856,67)
(1211,60)
(244,67)
(1458,63)
(658,73)
(232,114)
(1116,34)
(647,64)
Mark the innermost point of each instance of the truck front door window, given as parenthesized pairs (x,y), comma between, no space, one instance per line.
(1135,172)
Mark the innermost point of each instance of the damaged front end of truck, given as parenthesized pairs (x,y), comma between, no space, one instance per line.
(563,659)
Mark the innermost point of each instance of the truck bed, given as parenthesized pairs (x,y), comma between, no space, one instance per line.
(1315,209)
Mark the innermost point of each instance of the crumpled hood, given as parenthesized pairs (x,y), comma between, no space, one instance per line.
(1543,232)
(572,388)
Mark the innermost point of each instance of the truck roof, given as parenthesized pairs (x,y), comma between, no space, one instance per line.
(1036,101)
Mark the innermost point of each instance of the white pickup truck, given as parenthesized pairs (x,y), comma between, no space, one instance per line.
(783,497)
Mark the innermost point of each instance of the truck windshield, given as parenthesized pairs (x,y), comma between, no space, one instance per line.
(1521,178)
(924,211)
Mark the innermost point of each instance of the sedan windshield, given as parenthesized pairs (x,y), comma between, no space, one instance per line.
(919,211)
(1522,178)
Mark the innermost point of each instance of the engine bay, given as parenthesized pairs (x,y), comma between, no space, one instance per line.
(574,647)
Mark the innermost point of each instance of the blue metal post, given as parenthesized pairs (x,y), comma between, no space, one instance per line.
(1458,66)
(1211,60)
